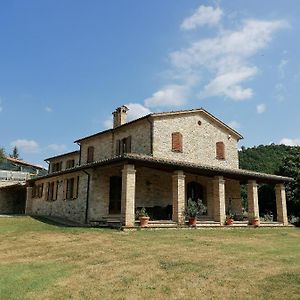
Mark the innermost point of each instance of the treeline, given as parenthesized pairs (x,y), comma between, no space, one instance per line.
(279,160)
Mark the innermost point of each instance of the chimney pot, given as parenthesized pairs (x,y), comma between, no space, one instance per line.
(120,116)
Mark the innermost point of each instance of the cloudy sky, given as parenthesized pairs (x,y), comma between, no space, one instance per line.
(66,65)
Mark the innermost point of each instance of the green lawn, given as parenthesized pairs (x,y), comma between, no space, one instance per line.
(42,261)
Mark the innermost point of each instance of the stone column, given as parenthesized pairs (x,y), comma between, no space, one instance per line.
(128,196)
(28,206)
(219,199)
(281,204)
(178,190)
(252,195)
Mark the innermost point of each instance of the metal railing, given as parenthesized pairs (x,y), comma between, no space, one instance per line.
(14,175)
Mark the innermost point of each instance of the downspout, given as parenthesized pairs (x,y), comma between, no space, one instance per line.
(151,135)
(87,196)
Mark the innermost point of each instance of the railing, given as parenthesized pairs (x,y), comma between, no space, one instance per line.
(14,175)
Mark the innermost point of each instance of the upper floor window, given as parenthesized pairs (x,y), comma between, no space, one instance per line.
(71,188)
(90,154)
(37,191)
(52,190)
(123,146)
(70,163)
(220,150)
(177,142)
(56,167)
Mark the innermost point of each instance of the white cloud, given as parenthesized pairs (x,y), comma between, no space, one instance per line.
(48,109)
(171,95)
(226,57)
(26,146)
(228,84)
(290,142)
(261,108)
(58,148)
(136,111)
(204,15)
(281,68)
(234,124)
(279,92)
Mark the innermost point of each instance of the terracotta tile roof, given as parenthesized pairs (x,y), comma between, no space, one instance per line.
(171,165)
(62,155)
(22,162)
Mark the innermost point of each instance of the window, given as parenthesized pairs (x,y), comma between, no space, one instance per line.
(220,150)
(71,188)
(56,167)
(177,142)
(52,190)
(37,191)
(123,146)
(90,154)
(70,163)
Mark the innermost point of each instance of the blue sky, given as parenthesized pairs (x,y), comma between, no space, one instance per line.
(66,65)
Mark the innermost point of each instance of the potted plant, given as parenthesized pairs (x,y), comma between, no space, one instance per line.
(191,211)
(144,217)
(229,217)
(255,221)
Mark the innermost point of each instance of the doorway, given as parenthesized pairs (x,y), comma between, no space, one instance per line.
(115,192)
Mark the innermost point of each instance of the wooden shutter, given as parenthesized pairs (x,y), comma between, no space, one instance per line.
(118,147)
(90,154)
(65,189)
(75,189)
(177,142)
(220,150)
(128,144)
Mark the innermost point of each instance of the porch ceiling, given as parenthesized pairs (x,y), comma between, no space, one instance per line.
(171,165)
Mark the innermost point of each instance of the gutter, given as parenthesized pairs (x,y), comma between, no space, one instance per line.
(87,196)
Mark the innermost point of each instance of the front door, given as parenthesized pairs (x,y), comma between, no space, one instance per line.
(115,191)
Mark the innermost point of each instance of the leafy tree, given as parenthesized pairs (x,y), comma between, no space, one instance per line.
(2,155)
(291,167)
(15,153)
(275,159)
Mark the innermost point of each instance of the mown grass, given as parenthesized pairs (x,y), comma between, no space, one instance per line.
(43,261)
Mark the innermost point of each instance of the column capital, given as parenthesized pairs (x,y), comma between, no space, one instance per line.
(178,174)
(219,179)
(280,186)
(252,182)
(129,169)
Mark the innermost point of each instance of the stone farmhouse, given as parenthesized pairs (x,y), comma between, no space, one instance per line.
(158,162)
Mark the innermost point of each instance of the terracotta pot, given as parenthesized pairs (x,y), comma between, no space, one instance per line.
(144,221)
(192,221)
(255,222)
(229,221)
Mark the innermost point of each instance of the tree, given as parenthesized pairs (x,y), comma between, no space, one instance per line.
(15,153)
(291,167)
(2,155)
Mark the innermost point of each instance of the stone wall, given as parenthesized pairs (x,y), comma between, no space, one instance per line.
(64,160)
(199,141)
(233,196)
(69,209)
(105,144)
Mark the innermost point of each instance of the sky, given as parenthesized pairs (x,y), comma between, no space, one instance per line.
(66,65)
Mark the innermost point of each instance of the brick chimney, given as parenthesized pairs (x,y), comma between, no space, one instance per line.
(120,115)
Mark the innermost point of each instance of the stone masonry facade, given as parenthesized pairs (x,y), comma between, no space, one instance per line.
(82,191)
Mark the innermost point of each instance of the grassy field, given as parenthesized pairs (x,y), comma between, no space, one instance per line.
(42,261)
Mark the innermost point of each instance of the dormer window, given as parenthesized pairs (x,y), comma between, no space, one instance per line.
(90,154)
(220,150)
(177,142)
